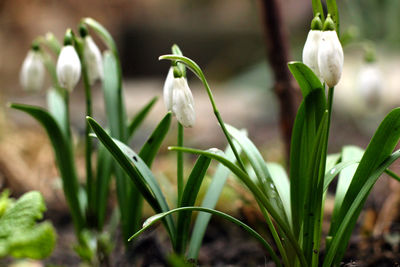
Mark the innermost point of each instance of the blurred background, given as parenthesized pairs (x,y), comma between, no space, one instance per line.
(226,38)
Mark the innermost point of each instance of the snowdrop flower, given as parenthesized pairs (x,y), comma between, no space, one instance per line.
(68,65)
(32,72)
(93,59)
(370,83)
(310,50)
(330,55)
(178,98)
(167,90)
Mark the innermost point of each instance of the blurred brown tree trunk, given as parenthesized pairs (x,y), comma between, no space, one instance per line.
(278,53)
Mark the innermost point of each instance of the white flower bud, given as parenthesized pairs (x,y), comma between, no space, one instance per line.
(168,86)
(32,72)
(310,50)
(93,59)
(182,102)
(370,83)
(330,58)
(68,68)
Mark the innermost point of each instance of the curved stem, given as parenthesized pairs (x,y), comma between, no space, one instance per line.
(274,234)
(180,182)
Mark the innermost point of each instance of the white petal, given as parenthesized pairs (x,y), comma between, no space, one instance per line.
(183,103)
(93,59)
(330,58)
(32,72)
(68,68)
(168,86)
(310,50)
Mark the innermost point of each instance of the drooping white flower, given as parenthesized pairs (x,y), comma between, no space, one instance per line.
(310,50)
(370,83)
(182,102)
(68,67)
(330,54)
(167,90)
(32,72)
(93,59)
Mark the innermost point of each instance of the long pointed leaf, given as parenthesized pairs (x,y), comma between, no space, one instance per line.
(64,158)
(139,117)
(152,220)
(342,235)
(260,168)
(348,153)
(147,154)
(189,196)
(379,149)
(138,171)
(210,200)
(283,225)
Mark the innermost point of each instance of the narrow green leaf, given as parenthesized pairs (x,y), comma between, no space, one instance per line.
(282,224)
(379,149)
(305,77)
(332,160)
(342,235)
(281,182)
(139,117)
(64,158)
(304,133)
(111,95)
(349,153)
(189,196)
(147,153)
(138,171)
(57,108)
(260,168)
(103,178)
(152,220)
(153,143)
(335,170)
(314,193)
(210,200)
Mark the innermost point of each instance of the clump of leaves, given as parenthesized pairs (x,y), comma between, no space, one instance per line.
(21,236)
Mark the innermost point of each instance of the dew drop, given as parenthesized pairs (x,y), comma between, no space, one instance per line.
(151,219)
(333,170)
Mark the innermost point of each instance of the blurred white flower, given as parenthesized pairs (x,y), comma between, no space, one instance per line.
(32,72)
(330,58)
(93,59)
(310,50)
(68,68)
(370,83)
(182,102)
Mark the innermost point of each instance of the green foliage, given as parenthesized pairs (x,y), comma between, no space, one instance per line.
(20,234)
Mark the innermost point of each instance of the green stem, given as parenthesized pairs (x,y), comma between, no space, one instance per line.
(180,164)
(221,123)
(274,234)
(330,102)
(88,140)
(67,116)
(392,174)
